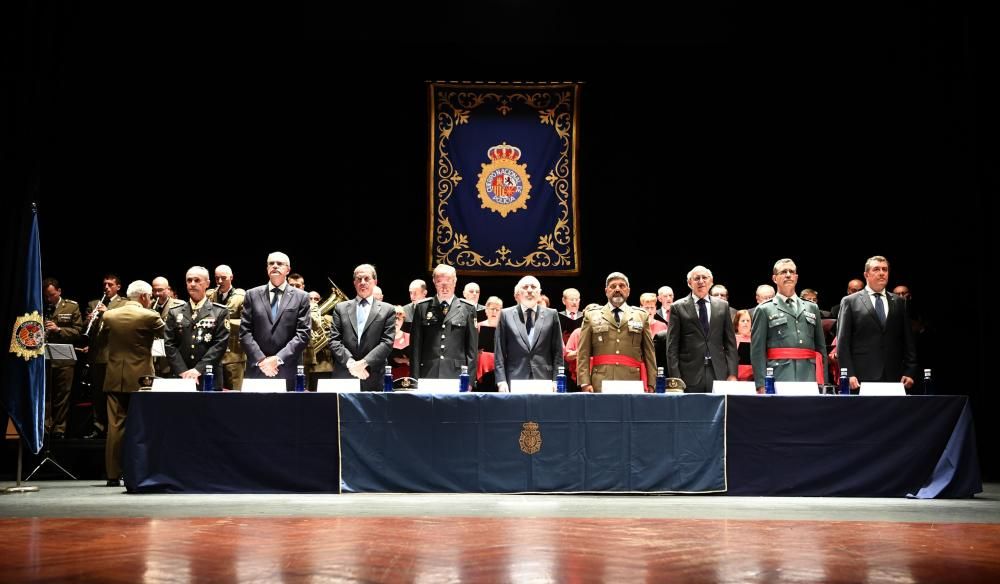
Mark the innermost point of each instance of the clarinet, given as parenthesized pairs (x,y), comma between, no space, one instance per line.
(93,315)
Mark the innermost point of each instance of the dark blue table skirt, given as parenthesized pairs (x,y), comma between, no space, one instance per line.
(834,446)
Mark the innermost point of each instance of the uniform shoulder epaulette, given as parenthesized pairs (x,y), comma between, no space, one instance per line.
(422,300)
(220,305)
(68,301)
(465,301)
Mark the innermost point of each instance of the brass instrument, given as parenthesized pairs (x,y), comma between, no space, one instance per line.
(321,329)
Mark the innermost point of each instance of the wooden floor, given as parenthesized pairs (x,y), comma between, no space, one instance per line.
(477,549)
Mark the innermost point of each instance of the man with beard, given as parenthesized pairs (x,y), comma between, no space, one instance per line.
(615,343)
(787,333)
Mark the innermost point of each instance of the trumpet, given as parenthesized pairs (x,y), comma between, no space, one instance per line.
(321,332)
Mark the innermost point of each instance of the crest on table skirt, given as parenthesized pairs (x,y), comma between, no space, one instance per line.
(531,438)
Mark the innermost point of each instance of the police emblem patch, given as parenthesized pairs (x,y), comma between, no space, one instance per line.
(531,438)
(28,338)
(504,184)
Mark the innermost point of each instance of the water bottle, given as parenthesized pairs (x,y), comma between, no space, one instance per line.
(928,384)
(661,381)
(208,383)
(387,379)
(845,383)
(769,381)
(300,378)
(463,379)
(561,380)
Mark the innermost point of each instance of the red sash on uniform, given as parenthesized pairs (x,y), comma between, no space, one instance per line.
(621,360)
(790,353)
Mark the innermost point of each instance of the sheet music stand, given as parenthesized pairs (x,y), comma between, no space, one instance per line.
(55,353)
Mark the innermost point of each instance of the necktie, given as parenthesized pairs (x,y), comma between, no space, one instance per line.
(529,319)
(274,302)
(444,309)
(362,314)
(618,315)
(879,309)
(703,315)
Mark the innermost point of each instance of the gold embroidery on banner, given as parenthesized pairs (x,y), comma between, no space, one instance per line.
(531,438)
(454,107)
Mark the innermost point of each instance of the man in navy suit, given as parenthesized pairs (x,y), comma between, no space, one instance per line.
(528,338)
(701,346)
(874,337)
(275,326)
(363,331)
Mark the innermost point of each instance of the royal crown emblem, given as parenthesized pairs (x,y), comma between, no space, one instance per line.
(28,338)
(531,438)
(504,184)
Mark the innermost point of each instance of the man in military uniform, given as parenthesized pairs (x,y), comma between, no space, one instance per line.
(63,324)
(787,333)
(197,333)
(444,335)
(615,342)
(319,363)
(234,361)
(163,303)
(97,350)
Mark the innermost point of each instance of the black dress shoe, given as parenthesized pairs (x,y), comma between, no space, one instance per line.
(113,483)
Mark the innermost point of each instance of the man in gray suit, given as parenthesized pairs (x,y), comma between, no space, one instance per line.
(275,325)
(701,346)
(528,338)
(362,333)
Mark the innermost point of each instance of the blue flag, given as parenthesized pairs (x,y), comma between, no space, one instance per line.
(503,178)
(23,390)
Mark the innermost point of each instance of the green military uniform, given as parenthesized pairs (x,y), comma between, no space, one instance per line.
(195,339)
(778,324)
(600,335)
(234,362)
(162,364)
(97,358)
(59,385)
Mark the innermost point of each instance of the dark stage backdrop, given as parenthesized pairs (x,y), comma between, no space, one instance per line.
(155,139)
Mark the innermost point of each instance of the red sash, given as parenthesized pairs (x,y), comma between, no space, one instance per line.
(790,353)
(622,360)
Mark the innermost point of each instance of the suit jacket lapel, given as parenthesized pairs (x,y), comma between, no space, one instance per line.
(866,301)
(540,321)
(608,315)
(693,312)
(520,326)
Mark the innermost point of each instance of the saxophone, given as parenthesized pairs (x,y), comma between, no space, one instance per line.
(321,332)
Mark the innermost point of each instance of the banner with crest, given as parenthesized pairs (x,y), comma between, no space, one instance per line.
(503,178)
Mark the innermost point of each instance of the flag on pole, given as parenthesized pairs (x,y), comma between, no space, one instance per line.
(23,390)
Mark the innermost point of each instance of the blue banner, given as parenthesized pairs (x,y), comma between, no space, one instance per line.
(24,381)
(515,443)
(503,178)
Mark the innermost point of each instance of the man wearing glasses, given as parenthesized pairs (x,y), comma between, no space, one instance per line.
(787,333)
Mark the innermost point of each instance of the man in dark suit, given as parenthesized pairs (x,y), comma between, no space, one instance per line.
(362,333)
(701,346)
(275,325)
(444,335)
(127,332)
(874,337)
(528,338)
(197,333)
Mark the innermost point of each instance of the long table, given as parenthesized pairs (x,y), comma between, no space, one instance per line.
(919,446)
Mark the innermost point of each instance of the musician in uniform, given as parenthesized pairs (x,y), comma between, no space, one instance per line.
(97,350)
(197,333)
(163,303)
(615,342)
(63,324)
(444,335)
(787,333)
(234,361)
(318,359)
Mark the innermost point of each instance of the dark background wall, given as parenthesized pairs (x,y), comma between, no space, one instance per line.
(148,134)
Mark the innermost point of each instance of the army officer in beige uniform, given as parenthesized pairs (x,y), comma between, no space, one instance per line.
(615,342)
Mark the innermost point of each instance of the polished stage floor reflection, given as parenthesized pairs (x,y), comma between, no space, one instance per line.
(83,533)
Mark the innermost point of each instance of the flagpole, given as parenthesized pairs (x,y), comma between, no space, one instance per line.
(19,488)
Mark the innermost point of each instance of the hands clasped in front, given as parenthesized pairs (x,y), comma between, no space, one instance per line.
(358,369)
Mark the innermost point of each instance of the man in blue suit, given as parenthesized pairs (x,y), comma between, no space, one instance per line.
(528,338)
(363,331)
(275,326)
